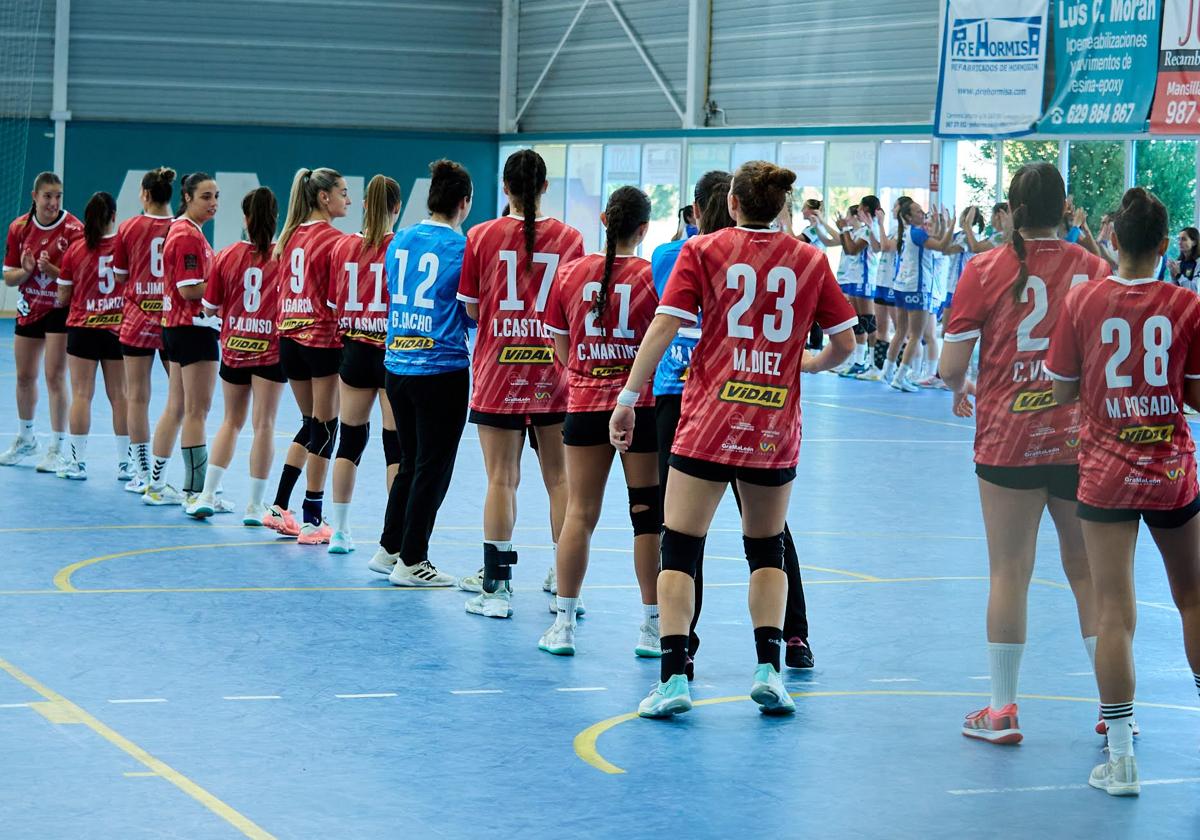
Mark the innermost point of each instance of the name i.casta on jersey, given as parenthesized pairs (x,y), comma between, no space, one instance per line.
(519,328)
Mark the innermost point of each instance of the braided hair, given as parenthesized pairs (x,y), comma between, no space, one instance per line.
(524,175)
(1038,197)
(628,209)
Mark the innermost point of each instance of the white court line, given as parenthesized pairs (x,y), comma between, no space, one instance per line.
(15,705)
(1080,674)
(141,700)
(584,688)
(253,697)
(477,691)
(984,677)
(1048,788)
(895,680)
(365,696)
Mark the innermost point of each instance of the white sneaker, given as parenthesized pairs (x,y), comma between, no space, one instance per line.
(254,514)
(873,374)
(496,604)
(137,484)
(73,470)
(165,495)
(1117,777)
(900,382)
(422,574)
(473,583)
(550,584)
(340,543)
(221,504)
(20,449)
(186,499)
(382,562)
(768,692)
(558,640)
(649,645)
(200,506)
(580,609)
(51,461)
(125,471)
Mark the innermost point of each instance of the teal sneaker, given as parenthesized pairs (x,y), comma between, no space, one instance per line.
(769,693)
(666,699)
(558,640)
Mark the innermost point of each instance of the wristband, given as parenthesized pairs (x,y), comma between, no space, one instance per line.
(628,398)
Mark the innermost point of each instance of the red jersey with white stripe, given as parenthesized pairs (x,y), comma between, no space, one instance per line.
(359,294)
(1017,423)
(1131,344)
(27,235)
(514,370)
(244,287)
(305,285)
(602,350)
(96,297)
(139,253)
(760,292)
(187,261)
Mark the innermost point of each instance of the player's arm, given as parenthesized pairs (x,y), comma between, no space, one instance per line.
(658,338)
(852,246)
(839,347)
(562,348)
(824,231)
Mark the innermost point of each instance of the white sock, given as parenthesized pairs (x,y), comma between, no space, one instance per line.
(123,450)
(60,440)
(258,489)
(904,372)
(158,473)
(339,516)
(212,480)
(566,610)
(141,460)
(1118,717)
(650,612)
(1089,642)
(1004,662)
(1197,678)
(79,448)
(889,368)
(24,429)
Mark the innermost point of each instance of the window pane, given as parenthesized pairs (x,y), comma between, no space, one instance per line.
(1168,169)
(1096,177)
(703,157)
(583,192)
(622,166)
(660,180)
(903,170)
(1017,153)
(976,175)
(807,160)
(850,174)
(743,152)
(555,200)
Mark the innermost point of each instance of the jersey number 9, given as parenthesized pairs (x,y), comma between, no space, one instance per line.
(296,282)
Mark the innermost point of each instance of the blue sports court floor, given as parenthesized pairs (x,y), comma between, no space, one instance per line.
(166,678)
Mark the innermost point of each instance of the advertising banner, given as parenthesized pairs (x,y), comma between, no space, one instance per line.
(1178,88)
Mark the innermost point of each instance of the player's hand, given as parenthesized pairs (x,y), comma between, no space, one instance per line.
(969,216)
(28,262)
(620,428)
(1080,217)
(963,407)
(46,267)
(807,362)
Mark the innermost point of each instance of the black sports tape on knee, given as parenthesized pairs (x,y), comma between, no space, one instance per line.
(497,565)
(305,434)
(324,432)
(870,324)
(648,521)
(681,552)
(353,442)
(860,328)
(391,446)
(764,552)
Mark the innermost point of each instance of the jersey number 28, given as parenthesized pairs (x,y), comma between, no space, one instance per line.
(1156,340)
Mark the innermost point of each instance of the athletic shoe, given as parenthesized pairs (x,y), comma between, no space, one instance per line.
(997,727)
(221,504)
(550,584)
(201,507)
(51,461)
(768,692)
(1102,728)
(340,543)
(798,654)
(421,574)
(841,369)
(871,374)
(667,699)
(282,522)
(125,471)
(73,470)
(137,485)
(496,604)
(20,449)
(382,562)
(165,495)
(255,514)
(854,371)
(189,498)
(474,583)
(649,645)
(558,640)
(1117,777)
(932,382)
(900,382)
(580,609)
(314,534)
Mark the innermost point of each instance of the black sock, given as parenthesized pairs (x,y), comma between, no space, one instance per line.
(674,656)
(768,641)
(312,506)
(287,483)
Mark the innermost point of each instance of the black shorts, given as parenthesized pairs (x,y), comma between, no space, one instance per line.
(190,344)
(130,350)
(1154,518)
(54,321)
(725,473)
(241,375)
(362,365)
(516,422)
(590,428)
(93,343)
(302,363)
(1059,480)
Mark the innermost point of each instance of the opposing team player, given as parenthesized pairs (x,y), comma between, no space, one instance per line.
(860,260)
(1129,348)
(759,291)
(508,268)
(33,252)
(1008,301)
(598,311)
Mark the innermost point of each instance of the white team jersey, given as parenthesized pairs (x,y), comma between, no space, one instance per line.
(813,238)
(861,268)
(958,261)
(916,272)
(885,271)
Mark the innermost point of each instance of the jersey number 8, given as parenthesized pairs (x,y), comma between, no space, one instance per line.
(252,289)
(1156,339)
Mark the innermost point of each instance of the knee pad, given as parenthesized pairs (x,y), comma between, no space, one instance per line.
(681,552)
(324,432)
(391,446)
(859,328)
(869,324)
(650,520)
(764,552)
(353,442)
(497,564)
(305,434)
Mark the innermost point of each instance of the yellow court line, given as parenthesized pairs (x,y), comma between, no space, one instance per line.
(158,767)
(585,742)
(62,578)
(889,414)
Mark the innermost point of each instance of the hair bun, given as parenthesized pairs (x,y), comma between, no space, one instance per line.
(781,177)
(165,174)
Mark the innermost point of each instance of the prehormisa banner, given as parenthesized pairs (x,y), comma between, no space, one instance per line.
(1178,88)
(1105,66)
(990,81)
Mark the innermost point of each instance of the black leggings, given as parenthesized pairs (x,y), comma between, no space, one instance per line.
(430,413)
(795,616)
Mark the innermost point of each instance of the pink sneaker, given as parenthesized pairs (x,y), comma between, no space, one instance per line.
(314,534)
(997,727)
(283,522)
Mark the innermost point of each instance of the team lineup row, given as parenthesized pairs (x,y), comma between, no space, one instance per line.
(1083,376)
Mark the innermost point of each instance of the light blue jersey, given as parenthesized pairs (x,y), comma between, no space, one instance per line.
(672,370)
(427,325)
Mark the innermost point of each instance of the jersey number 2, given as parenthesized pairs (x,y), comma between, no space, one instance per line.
(1156,340)
(776,326)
